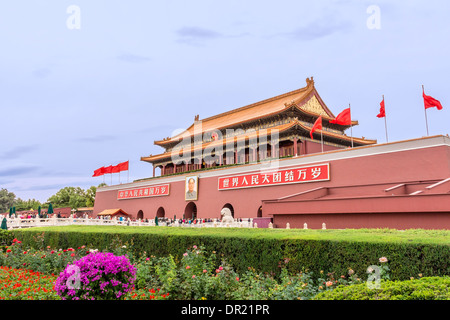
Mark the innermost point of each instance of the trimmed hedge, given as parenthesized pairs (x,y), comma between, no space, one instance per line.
(409,252)
(429,288)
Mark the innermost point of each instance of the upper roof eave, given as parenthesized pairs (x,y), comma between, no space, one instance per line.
(306,93)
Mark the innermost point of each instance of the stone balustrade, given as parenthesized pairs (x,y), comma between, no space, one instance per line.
(17,223)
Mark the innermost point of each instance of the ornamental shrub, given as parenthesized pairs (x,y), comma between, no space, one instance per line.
(427,288)
(96,276)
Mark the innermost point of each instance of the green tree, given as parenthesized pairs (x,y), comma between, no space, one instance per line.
(26,204)
(6,200)
(90,194)
(73,197)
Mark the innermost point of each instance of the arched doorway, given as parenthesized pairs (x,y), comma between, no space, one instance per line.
(140,215)
(190,212)
(259,214)
(161,212)
(229,206)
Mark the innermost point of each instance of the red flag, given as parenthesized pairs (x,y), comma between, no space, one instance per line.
(431,102)
(115,169)
(98,172)
(317,125)
(343,118)
(107,169)
(382,113)
(123,166)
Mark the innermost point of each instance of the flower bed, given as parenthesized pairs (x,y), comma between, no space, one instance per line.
(197,275)
(22,284)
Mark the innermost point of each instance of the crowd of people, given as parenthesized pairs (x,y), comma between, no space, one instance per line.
(128,220)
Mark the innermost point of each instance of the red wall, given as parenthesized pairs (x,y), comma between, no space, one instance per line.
(350,167)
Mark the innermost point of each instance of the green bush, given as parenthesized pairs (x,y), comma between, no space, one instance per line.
(409,252)
(204,276)
(428,288)
(6,238)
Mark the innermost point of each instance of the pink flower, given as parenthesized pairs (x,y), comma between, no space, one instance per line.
(185,254)
(204,271)
(383,259)
(237,278)
(329,283)
(221,268)
(193,276)
(195,247)
(187,267)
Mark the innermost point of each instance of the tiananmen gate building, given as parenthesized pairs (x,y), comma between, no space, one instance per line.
(264,161)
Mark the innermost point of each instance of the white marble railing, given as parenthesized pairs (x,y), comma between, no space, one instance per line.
(17,223)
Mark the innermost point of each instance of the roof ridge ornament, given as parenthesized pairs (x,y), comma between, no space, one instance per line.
(310,81)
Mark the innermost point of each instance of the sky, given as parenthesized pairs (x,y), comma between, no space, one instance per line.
(86,84)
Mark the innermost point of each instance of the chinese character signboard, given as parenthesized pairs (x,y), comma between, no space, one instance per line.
(143,192)
(320,172)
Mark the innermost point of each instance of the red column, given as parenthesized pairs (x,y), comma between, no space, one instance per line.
(153,171)
(295,146)
(163,171)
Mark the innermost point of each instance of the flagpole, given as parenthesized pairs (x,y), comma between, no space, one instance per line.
(351,127)
(385,123)
(321,137)
(426,120)
(128,171)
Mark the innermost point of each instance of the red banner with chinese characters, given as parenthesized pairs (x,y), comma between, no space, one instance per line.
(320,172)
(143,192)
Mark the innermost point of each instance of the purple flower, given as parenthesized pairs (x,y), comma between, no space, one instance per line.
(96,276)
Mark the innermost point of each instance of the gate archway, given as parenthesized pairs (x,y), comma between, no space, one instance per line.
(259,213)
(161,212)
(229,206)
(190,212)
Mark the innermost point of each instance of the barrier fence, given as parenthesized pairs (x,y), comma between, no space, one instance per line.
(17,223)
